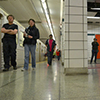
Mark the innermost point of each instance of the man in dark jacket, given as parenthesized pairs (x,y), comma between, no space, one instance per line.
(9,43)
(31,35)
(50,43)
(94,50)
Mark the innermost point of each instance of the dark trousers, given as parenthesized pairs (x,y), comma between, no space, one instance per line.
(50,56)
(58,57)
(94,53)
(9,53)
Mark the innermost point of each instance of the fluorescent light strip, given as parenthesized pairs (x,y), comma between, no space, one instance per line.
(90,17)
(95,8)
(47,16)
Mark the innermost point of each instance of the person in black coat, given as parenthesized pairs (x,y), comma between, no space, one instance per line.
(94,50)
(31,35)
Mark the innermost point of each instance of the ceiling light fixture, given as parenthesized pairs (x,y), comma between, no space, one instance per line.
(90,17)
(46,11)
(95,8)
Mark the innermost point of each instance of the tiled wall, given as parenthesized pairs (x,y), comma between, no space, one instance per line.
(75,33)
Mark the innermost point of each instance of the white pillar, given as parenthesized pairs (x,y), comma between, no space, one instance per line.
(75,42)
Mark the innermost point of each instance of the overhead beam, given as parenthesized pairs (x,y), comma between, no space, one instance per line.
(26,21)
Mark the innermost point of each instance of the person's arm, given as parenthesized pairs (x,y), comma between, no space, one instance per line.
(46,43)
(55,45)
(37,34)
(3,30)
(13,32)
(9,31)
(92,43)
(97,43)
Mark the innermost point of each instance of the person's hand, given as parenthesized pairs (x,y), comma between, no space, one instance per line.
(24,34)
(30,37)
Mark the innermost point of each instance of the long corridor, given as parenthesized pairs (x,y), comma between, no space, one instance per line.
(49,83)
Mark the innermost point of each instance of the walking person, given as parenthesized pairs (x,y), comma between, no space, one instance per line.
(58,54)
(9,43)
(50,43)
(94,50)
(31,35)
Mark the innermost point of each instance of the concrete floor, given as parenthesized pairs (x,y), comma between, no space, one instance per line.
(49,83)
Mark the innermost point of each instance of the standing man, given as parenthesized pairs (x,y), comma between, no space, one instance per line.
(94,50)
(9,43)
(31,35)
(50,43)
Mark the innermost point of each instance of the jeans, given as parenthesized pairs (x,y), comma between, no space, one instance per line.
(50,56)
(94,53)
(29,48)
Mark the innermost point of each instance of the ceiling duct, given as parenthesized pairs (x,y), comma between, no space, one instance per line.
(90,22)
(3,0)
(22,21)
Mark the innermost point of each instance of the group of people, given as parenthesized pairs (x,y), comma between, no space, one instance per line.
(31,34)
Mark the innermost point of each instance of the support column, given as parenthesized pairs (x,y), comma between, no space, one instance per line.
(75,44)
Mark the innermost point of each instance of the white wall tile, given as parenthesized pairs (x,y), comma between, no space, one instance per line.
(76,19)
(85,11)
(66,63)
(76,36)
(85,45)
(85,19)
(76,2)
(85,3)
(66,36)
(85,62)
(76,63)
(85,53)
(76,27)
(66,18)
(76,10)
(85,27)
(66,53)
(66,10)
(76,45)
(66,27)
(76,53)
(85,36)
(66,2)
(66,45)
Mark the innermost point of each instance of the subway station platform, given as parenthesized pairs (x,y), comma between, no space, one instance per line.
(49,83)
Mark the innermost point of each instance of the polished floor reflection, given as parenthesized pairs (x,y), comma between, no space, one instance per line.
(49,83)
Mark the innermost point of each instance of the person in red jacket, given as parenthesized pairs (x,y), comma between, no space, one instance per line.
(58,54)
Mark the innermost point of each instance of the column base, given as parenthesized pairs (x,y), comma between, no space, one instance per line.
(70,71)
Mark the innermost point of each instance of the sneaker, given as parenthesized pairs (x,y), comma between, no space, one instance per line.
(33,68)
(5,69)
(47,65)
(95,62)
(22,69)
(15,68)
